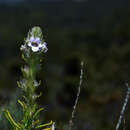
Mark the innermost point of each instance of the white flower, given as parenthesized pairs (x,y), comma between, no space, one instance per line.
(35,83)
(53,126)
(36,44)
(23,47)
(26,69)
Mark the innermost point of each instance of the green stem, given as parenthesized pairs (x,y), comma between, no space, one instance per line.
(29,94)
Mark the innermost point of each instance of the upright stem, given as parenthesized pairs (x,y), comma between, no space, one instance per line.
(32,50)
(30,92)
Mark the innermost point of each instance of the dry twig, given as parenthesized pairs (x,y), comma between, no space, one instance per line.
(123,107)
(77,97)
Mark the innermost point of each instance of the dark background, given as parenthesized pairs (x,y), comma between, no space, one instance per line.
(94,31)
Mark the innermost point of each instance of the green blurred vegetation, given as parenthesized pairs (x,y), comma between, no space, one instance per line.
(74,32)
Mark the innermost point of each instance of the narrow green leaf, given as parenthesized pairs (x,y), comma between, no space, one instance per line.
(10,119)
(23,57)
(37,112)
(47,129)
(48,124)
(18,83)
(22,104)
(36,122)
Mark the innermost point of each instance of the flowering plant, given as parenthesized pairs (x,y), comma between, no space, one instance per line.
(32,50)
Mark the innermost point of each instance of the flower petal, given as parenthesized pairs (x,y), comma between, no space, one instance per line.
(29,44)
(45,50)
(35,49)
(37,40)
(31,39)
(40,46)
(43,47)
(45,43)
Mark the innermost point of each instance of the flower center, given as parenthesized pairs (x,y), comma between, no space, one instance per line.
(34,44)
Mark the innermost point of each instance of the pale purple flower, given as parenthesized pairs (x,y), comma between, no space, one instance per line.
(36,44)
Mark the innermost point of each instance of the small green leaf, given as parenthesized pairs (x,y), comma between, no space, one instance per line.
(36,122)
(18,83)
(23,57)
(37,112)
(25,98)
(22,104)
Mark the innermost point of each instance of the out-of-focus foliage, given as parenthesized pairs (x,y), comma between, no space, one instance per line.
(13,107)
(75,32)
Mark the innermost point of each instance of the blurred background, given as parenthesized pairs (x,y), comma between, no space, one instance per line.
(94,31)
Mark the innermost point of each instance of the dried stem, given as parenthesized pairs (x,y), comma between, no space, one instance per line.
(77,97)
(123,107)
(124,124)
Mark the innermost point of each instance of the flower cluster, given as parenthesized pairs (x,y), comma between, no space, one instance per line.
(36,44)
